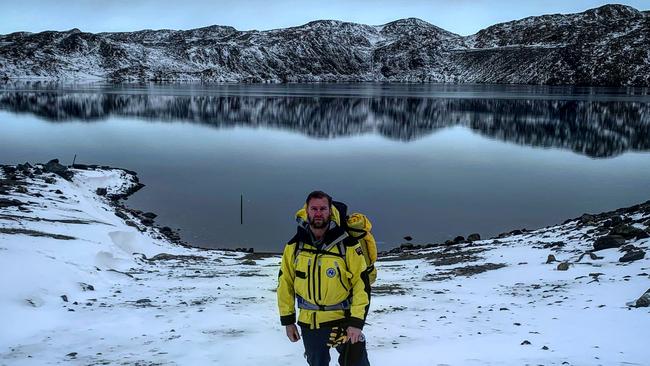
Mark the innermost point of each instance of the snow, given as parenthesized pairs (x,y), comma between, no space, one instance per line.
(215,309)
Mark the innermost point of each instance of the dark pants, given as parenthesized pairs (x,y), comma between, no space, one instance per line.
(317,352)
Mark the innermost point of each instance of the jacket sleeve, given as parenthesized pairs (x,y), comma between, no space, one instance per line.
(360,286)
(285,291)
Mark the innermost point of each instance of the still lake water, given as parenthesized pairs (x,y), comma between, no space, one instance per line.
(429,161)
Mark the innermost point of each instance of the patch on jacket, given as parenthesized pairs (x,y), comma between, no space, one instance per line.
(359,251)
(330,272)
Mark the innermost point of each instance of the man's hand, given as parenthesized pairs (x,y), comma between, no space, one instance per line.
(354,335)
(292,333)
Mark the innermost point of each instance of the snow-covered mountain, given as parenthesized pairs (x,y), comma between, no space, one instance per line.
(593,128)
(86,280)
(603,46)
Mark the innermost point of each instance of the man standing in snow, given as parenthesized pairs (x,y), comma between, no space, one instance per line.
(324,271)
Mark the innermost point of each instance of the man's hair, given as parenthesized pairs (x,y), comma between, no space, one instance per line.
(319,194)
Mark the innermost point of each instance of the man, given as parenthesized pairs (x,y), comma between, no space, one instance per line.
(324,270)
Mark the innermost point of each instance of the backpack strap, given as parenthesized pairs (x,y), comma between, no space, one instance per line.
(298,248)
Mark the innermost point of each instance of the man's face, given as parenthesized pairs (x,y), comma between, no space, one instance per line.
(318,213)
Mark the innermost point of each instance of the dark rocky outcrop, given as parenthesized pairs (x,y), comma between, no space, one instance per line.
(53,166)
(608,241)
(643,301)
(473,237)
(563,266)
(626,231)
(632,255)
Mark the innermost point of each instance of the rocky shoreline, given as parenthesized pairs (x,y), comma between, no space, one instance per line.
(611,229)
(138,219)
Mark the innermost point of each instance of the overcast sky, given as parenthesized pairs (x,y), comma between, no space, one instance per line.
(460,16)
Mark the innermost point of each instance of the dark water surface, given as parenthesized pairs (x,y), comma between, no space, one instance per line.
(429,161)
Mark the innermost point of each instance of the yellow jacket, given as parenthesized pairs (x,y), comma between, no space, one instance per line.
(323,277)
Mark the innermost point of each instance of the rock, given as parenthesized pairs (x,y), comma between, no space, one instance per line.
(449,242)
(593,256)
(147,221)
(101,191)
(563,266)
(168,257)
(595,275)
(632,256)
(49,180)
(551,259)
(555,244)
(643,301)
(165,229)
(143,301)
(53,166)
(21,189)
(10,203)
(249,262)
(516,232)
(627,248)
(586,219)
(9,169)
(72,354)
(545,348)
(131,223)
(121,215)
(474,237)
(642,235)
(459,239)
(150,215)
(608,241)
(58,191)
(616,220)
(86,287)
(626,231)
(525,343)
(64,298)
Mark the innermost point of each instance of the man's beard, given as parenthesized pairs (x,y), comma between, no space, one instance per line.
(318,225)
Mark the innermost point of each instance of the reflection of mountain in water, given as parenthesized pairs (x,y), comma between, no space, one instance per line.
(594,128)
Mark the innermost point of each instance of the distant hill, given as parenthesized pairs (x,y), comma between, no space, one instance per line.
(605,46)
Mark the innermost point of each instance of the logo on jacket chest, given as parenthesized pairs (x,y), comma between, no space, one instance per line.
(331,272)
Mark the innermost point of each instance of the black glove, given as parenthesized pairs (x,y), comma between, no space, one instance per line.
(338,336)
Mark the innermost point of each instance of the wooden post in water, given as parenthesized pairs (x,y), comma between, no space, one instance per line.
(73,160)
(241,209)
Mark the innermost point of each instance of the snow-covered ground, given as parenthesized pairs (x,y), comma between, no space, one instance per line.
(81,285)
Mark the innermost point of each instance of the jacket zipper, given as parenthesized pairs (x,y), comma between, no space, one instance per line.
(320,297)
(309,279)
(340,276)
(313,282)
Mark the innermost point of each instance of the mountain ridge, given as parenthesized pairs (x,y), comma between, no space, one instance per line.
(606,46)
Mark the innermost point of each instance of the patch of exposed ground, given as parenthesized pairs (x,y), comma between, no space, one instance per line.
(389,289)
(463,271)
(12,231)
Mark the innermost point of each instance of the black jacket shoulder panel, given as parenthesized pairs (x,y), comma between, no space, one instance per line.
(350,241)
